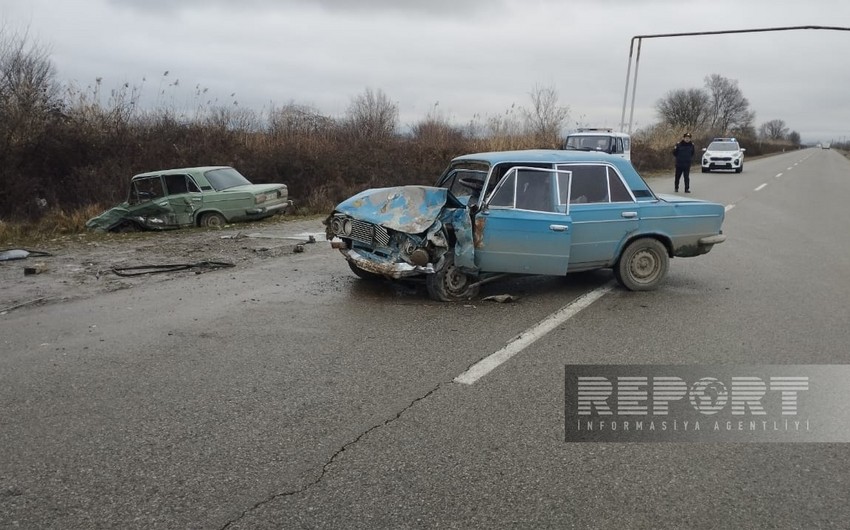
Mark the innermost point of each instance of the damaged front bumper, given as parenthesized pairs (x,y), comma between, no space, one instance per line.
(390,269)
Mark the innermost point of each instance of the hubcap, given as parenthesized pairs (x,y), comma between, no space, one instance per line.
(644,265)
(455,280)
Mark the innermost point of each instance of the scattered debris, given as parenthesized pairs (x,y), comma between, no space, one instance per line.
(19,253)
(298,248)
(37,268)
(201,266)
(501,298)
(305,237)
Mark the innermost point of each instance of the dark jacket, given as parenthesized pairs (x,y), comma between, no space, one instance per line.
(684,153)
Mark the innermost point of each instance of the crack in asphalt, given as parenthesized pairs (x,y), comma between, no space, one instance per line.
(327,465)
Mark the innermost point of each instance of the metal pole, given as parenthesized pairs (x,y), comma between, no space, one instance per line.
(690,34)
(626,90)
(634,86)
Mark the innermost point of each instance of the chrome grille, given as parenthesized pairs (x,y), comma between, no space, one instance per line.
(370,234)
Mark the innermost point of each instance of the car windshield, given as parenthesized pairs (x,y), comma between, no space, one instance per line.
(225,178)
(723,146)
(588,143)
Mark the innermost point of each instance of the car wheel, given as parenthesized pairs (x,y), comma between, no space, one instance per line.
(705,170)
(642,265)
(363,274)
(739,169)
(212,220)
(450,284)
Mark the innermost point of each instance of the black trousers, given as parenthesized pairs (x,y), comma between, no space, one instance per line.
(683,171)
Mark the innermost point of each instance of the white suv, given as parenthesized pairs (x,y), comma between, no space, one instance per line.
(723,153)
(600,139)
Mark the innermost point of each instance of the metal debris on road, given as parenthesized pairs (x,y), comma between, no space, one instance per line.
(201,266)
(19,253)
(500,298)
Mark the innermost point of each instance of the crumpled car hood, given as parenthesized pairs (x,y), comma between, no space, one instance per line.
(409,209)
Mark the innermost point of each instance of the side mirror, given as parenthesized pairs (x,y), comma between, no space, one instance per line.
(703,148)
(743,149)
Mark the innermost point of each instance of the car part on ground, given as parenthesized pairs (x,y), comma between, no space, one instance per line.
(198,267)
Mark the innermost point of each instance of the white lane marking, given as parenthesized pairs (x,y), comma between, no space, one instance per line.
(531,335)
(778,175)
(729,207)
(761,187)
(789,168)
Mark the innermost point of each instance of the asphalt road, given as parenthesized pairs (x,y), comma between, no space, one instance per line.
(292,395)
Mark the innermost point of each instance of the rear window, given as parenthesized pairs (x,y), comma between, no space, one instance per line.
(225,178)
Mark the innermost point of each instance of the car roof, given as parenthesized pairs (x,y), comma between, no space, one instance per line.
(199,169)
(551,156)
(598,132)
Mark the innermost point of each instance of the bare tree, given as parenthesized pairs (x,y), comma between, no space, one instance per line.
(372,115)
(546,117)
(29,92)
(794,138)
(729,109)
(294,120)
(684,108)
(773,130)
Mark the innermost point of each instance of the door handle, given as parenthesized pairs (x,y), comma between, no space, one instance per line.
(559,228)
(629,215)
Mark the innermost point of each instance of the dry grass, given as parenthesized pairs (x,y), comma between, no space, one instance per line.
(56,222)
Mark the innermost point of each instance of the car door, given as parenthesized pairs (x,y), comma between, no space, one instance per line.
(603,212)
(520,228)
(148,203)
(184,197)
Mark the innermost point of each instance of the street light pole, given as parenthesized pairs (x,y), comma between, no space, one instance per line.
(639,39)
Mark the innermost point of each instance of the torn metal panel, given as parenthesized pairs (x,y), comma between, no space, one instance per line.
(464,249)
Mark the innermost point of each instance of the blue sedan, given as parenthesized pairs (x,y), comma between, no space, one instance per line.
(547,212)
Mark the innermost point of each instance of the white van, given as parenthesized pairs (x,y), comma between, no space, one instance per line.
(600,139)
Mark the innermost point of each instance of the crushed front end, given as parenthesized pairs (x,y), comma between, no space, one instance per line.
(402,232)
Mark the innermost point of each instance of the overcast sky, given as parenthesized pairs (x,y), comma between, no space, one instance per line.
(464,59)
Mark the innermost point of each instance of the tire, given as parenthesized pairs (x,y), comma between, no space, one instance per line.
(705,170)
(212,220)
(738,170)
(642,265)
(362,274)
(450,284)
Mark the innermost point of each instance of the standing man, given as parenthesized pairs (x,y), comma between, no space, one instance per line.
(684,153)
